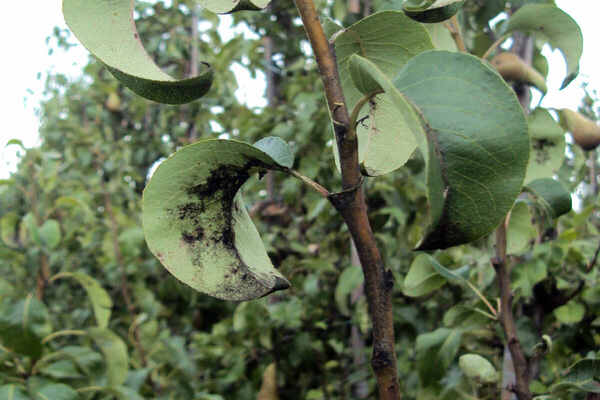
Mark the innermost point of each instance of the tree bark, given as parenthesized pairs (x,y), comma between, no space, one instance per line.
(350,203)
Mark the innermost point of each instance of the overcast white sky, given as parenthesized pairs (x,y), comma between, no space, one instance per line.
(24,29)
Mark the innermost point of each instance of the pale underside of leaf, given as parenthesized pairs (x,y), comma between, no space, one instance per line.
(107,30)
(229,6)
(196,223)
(388,39)
(557,27)
(547,151)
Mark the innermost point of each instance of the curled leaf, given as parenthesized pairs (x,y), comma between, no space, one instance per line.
(384,143)
(478,368)
(551,196)
(475,142)
(550,23)
(107,30)
(512,68)
(229,6)
(431,11)
(196,223)
(585,132)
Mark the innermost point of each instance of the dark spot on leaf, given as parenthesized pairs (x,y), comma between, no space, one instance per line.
(194,236)
(190,210)
(541,150)
(135,35)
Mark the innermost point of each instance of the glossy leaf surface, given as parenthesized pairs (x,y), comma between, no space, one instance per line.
(196,223)
(107,30)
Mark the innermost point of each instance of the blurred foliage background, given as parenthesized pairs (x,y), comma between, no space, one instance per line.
(115,324)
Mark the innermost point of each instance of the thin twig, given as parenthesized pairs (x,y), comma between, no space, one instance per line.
(494,46)
(594,259)
(482,297)
(320,189)
(454,27)
(500,264)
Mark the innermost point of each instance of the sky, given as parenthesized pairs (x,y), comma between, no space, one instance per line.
(22,80)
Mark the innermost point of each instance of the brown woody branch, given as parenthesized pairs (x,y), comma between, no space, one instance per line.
(506,317)
(350,203)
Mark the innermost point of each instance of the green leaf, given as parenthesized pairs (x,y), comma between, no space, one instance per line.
(551,195)
(50,233)
(229,6)
(478,368)
(9,224)
(23,324)
(107,30)
(13,392)
(550,23)
(115,354)
(435,352)
(527,274)
(475,142)
(85,358)
(277,149)
(547,151)
(428,11)
(348,281)
(571,313)
(46,390)
(123,393)
(197,225)
(330,26)
(583,376)
(31,230)
(101,300)
(422,277)
(383,144)
(16,142)
(61,369)
(520,231)
(441,37)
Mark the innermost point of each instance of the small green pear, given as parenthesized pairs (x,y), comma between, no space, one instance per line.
(113,102)
(585,132)
(512,68)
